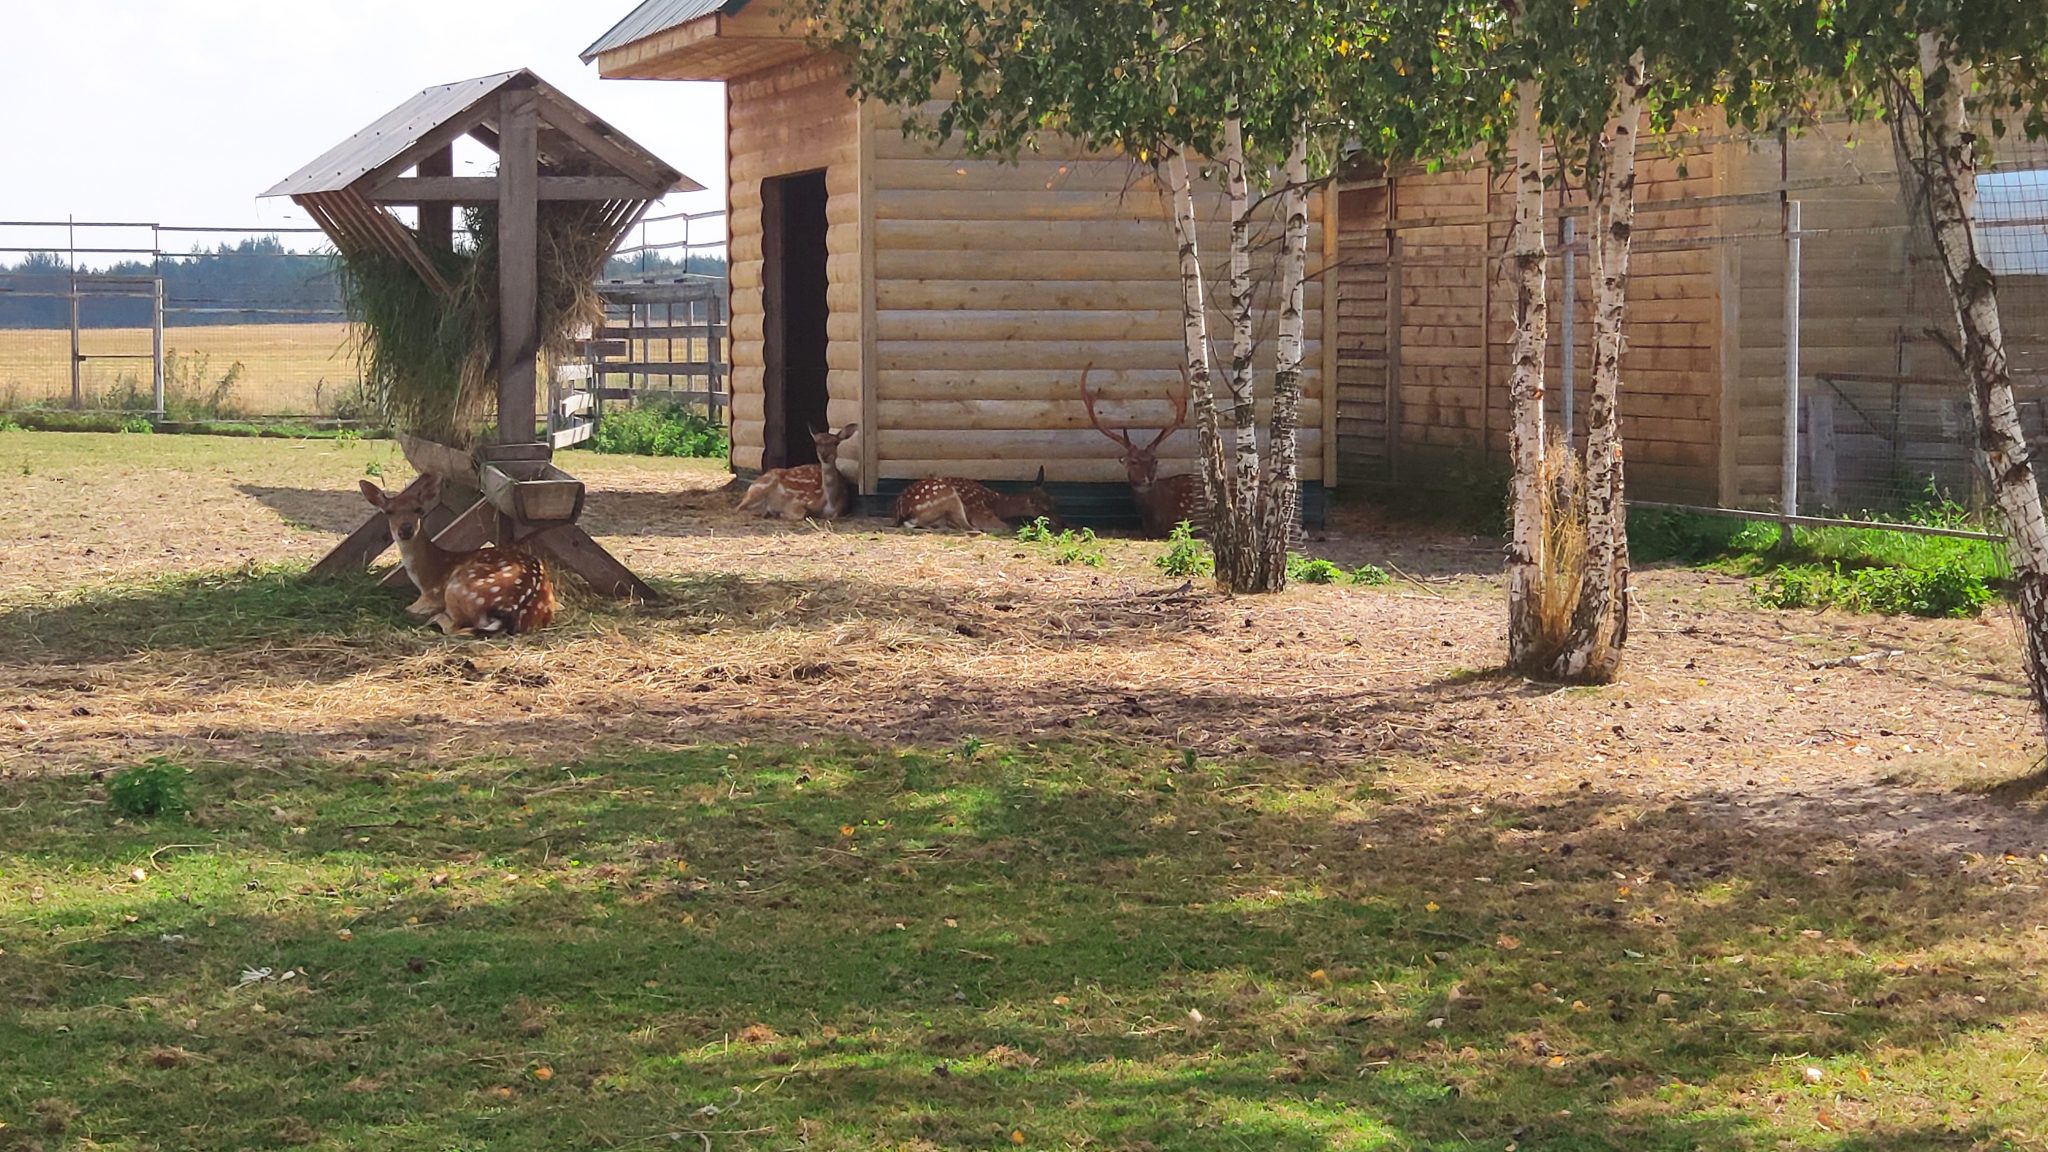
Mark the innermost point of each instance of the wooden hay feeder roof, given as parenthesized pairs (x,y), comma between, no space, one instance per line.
(580,157)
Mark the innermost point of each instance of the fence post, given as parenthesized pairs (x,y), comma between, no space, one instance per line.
(1820,443)
(1571,237)
(1788,496)
(156,345)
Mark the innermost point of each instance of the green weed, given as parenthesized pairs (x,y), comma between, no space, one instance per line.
(156,787)
(1066,546)
(659,428)
(1185,556)
(1946,590)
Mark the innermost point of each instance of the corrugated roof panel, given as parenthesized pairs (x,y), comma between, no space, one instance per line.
(655,17)
(387,136)
(395,131)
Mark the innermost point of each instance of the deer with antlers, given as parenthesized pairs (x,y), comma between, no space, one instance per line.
(1163,501)
(950,502)
(820,489)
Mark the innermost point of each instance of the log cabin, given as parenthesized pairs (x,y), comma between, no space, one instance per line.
(945,304)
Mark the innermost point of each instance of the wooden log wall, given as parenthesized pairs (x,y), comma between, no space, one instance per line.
(1425,323)
(995,284)
(790,119)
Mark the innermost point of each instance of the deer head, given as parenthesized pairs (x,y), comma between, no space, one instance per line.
(828,442)
(405,512)
(1141,463)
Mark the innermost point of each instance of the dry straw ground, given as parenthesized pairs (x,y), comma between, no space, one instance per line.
(770,632)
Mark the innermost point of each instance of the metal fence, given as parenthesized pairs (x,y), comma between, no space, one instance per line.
(203,324)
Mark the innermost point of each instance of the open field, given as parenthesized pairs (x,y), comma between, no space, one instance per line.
(288,369)
(864,839)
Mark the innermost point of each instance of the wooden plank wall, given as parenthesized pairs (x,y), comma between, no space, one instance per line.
(1426,323)
(996,284)
(783,121)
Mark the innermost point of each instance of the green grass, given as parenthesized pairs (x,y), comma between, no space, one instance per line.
(1860,569)
(846,946)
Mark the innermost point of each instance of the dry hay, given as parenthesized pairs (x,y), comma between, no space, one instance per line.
(781,633)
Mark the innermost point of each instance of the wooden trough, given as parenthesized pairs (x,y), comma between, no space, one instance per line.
(549,148)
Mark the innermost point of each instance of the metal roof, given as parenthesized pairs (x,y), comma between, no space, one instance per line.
(390,135)
(655,17)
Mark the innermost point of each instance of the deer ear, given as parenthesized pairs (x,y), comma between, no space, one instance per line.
(1041,476)
(373,494)
(430,487)
(847,433)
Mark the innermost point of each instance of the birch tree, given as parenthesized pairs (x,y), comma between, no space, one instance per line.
(1953,76)
(1168,84)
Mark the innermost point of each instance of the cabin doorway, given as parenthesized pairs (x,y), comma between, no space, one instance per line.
(793,317)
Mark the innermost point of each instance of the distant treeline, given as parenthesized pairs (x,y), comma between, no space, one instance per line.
(255,281)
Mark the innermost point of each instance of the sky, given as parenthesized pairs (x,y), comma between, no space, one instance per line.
(181,112)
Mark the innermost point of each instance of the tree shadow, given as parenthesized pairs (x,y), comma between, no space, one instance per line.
(1077,941)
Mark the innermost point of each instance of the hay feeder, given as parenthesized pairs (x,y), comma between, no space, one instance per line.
(550,149)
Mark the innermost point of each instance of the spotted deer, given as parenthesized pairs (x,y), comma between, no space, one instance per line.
(487,592)
(1163,501)
(819,490)
(950,502)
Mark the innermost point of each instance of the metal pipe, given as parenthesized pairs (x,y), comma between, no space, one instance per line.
(1571,260)
(77,386)
(1817,521)
(1788,494)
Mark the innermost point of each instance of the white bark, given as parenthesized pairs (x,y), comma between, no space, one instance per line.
(1236,546)
(1525,385)
(1599,629)
(1195,336)
(1282,509)
(1948,164)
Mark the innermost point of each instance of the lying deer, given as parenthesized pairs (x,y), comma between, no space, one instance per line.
(1163,502)
(950,502)
(819,490)
(488,591)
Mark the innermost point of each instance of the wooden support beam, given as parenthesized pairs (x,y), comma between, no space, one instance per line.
(653,181)
(426,188)
(356,552)
(573,549)
(437,217)
(518,264)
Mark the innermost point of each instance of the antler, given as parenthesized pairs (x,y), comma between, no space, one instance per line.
(1088,398)
(1180,411)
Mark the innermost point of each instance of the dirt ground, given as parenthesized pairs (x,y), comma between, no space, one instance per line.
(776,633)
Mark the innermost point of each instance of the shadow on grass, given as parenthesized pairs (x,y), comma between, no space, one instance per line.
(859,946)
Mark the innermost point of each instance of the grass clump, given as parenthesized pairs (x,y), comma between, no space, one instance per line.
(1065,546)
(155,787)
(1945,590)
(660,428)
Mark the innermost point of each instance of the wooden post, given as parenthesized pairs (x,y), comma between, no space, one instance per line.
(437,218)
(518,256)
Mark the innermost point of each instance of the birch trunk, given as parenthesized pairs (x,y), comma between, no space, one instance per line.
(1195,337)
(1282,507)
(1237,547)
(1599,628)
(1948,165)
(1527,647)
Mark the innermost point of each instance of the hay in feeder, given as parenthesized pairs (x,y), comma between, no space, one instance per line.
(431,358)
